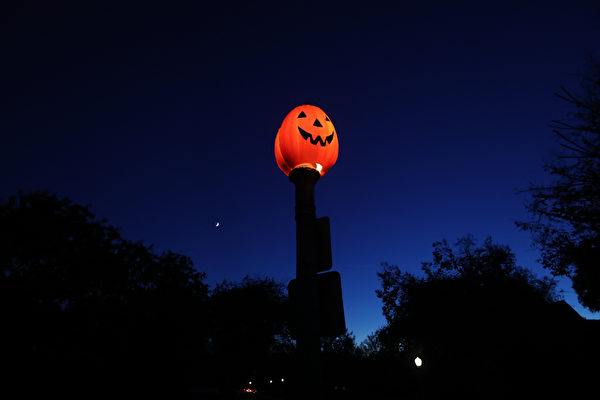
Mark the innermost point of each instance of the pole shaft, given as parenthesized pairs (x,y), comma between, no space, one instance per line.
(308,341)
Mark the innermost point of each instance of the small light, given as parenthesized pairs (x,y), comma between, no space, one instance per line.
(282,380)
(319,167)
(250,383)
(418,362)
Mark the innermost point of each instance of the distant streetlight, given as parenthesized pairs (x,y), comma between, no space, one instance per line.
(418,362)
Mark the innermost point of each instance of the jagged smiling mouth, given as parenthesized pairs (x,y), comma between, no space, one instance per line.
(316,140)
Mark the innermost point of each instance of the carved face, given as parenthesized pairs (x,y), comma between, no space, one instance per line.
(306,138)
(317,132)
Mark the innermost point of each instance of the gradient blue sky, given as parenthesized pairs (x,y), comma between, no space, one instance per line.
(163,118)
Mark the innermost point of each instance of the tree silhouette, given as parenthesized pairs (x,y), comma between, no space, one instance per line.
(82,306)
(372,346)
(566,224)
(342,367)
(249,333)
(481,324)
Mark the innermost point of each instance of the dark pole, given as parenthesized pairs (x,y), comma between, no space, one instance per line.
(308,343)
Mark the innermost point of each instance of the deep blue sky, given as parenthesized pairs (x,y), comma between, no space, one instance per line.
(163,118)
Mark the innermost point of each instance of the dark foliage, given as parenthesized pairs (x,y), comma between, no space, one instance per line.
(86,313)
(340,358)
(483,326)
(249,335)
(84,308)
(566,224)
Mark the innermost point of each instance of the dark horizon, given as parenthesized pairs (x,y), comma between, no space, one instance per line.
(86,311)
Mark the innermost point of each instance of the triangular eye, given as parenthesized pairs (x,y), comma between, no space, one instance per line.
(302,115)
(326,118)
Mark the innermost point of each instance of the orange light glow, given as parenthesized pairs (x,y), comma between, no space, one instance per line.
(306,138)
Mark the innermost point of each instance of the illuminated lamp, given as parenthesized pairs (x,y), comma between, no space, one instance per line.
(306,139)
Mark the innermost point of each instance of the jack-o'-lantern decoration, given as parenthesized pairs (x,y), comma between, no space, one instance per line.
(306,138)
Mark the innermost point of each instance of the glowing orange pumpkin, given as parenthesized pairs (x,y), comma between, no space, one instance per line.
(306,138)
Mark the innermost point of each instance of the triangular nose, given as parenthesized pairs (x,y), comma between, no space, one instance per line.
(317,123)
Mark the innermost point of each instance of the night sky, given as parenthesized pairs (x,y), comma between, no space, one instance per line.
(163,119)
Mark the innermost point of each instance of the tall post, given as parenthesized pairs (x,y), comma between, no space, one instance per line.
(308,342)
